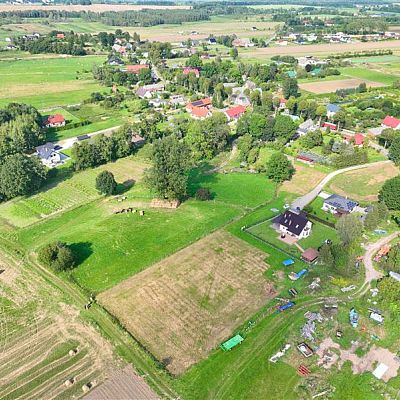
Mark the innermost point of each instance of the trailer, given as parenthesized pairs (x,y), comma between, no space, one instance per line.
(286,306)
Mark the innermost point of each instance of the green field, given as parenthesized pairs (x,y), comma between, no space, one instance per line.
(48,81)
(369,75)
(114,247)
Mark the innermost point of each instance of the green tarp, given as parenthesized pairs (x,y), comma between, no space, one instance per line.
(232,342)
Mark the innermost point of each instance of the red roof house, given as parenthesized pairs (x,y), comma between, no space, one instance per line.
(282,103)
(188,70)
(135,69)
(60,36)
(235,112)
(200,112)
(199,103)
(53,121)
(391,122)
(357,139)
(330,125)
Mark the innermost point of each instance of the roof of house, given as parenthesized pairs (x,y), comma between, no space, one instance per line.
(200,112)
(55,119)
(332,108)
(200,103)
(44,151)
(391,122)
(341,202)
(188,70)
(293,222)
(235,112)
(135,69)
(310,255)
(306,125)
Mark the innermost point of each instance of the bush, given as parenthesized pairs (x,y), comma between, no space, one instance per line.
(203,194)
(57,255)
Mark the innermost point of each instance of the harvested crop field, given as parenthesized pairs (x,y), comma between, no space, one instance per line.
(123,384)
(332,86)
(43,341)
(186,305)
(315,49)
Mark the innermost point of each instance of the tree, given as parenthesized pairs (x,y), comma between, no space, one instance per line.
(389,294)
(394,151)
(349,228)
(279,168)
(326,256)
(171,162)
(57,255)
(203,194)
(20,175)
(378,214)
(290,88)
(234,53)
(312,139)
(390,193)
(105,183)
(284,127)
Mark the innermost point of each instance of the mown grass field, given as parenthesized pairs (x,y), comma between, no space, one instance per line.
(114,247)
(46,82)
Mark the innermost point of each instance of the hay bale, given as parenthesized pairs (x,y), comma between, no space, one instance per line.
(73,352)
(69,382)
(86,387)
(141,213)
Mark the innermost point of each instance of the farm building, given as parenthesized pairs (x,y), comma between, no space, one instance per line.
(294,224)
(54,121)
(336,204)
(137,140)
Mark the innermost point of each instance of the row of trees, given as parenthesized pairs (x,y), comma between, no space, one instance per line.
(103,149)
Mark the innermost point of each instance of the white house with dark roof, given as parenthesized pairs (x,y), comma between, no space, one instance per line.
(294,224)
(336,204)
(50,156)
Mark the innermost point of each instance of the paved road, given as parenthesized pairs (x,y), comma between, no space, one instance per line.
(370,272)
(68,143)
(303,201)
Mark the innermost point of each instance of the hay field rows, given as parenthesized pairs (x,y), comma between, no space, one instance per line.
(69,193)
(36,336)
(184,306)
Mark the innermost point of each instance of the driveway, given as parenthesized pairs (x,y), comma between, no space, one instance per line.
(303,201)
(370,272)
(68,143)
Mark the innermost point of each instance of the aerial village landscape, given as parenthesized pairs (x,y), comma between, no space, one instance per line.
(200,200)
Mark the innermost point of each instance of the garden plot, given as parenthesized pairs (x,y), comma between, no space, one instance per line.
(184,306)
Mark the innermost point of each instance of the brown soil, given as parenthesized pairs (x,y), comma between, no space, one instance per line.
(187,304)
(332,86)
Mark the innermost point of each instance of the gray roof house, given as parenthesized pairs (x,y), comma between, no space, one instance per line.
(336,204)
(305,127)
(49,155)
(332,109)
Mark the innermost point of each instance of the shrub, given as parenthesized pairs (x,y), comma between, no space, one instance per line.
(105,183)
(203,194)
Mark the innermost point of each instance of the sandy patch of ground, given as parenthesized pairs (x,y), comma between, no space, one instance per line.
(363,364)
(187,304)
(305,179)
(332,86)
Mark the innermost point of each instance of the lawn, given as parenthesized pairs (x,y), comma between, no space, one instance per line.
(113,247)
(369,75)
(364,184)
(48,81)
